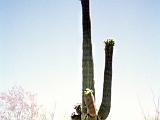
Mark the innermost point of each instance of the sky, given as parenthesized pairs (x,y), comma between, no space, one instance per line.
(41,50)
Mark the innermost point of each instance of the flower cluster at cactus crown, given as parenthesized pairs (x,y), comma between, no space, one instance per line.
(109,42)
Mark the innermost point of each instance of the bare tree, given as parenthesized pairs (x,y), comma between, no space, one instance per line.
(18,104)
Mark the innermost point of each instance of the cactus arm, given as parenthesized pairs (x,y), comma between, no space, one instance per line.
(106,100)
(87,60)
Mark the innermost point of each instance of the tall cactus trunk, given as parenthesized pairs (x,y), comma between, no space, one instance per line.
(106,100)
(87,60)
(88,111)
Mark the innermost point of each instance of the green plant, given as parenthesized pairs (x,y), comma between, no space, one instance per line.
(88,90)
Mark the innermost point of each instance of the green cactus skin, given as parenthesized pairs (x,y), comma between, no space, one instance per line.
(106,100)
(87,60)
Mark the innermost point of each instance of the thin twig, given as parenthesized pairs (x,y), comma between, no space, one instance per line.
(142,111)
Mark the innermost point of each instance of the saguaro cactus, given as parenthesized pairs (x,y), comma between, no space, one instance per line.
(87,60)
(88,111)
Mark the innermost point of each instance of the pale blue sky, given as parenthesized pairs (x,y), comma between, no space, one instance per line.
(40,49)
